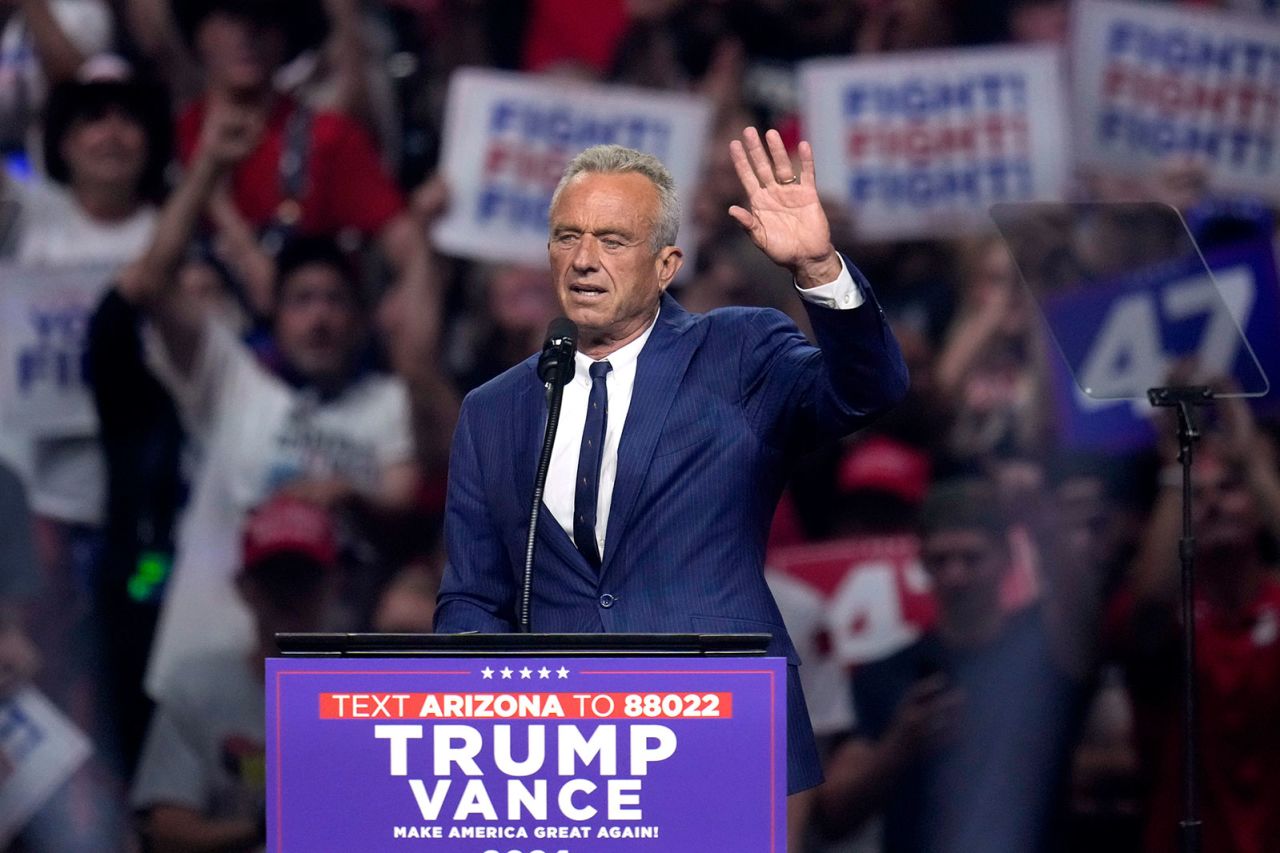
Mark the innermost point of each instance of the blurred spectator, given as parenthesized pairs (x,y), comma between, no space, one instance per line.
(990,371)
(881,483)
(889,25)
(1098,521)
(565,35)
(106,142)
(307,171)
(144,445)
(43,43)
(920,282)
(106,145)
(407,604)
(515,304)
(963,737)
(322,426)
(201,784)
(1237,613)
(1039,22)
(731,272)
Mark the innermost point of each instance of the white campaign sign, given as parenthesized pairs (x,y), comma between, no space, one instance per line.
(921,144)
(1154,84)
(44,317)
(39,750)
(507,140)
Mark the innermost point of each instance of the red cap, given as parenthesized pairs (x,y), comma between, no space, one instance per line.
(883,464)
(287,525)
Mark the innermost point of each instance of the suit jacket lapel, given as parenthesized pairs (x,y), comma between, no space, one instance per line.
(659,370)
(526,433)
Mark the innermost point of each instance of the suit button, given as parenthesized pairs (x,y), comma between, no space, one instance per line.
(607,600)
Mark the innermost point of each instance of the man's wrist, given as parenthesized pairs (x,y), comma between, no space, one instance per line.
(815,273)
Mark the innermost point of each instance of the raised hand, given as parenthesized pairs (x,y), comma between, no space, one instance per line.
(229,133)
(926,719)
(783,215)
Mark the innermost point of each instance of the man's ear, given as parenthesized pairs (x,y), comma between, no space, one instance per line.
(670,259)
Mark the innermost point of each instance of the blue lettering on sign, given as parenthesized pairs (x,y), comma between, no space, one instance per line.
(57,356)
(514,207)
(1242,147)
(920,97)
(565,126)
(1176,49)
(19,735)
(994,180)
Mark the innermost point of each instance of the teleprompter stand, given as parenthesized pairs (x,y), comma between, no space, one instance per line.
(1127,295)
(1184,401)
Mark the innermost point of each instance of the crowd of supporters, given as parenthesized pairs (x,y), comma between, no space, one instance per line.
(279,353)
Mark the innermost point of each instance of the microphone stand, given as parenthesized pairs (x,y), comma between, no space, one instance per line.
(555,369)
(555,393)
(1184,400)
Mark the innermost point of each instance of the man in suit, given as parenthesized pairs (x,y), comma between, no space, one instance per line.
(677,429)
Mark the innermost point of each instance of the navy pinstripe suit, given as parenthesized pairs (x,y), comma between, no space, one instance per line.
(722,403)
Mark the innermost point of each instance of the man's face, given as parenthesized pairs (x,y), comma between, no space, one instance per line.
(607,276)
(289,596)
(237,53)
(317,322)
(1225,513)
(966,566)
(106,149)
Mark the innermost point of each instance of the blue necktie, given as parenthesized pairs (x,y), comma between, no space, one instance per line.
(587,491)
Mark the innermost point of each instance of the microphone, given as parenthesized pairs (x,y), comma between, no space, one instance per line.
(555,365)
(555,369)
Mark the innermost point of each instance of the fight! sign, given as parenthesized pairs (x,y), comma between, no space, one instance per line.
(559,755)
(509,136)
(44,320)
(1155,83)
(919,145)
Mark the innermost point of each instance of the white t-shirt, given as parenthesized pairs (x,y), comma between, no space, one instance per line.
(255,434)
(66,476)
(205,747)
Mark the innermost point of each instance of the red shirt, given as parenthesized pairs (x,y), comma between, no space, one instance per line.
(345,186)
(572,31)
(1238,666)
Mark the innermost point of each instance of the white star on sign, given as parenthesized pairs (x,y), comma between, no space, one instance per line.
(487,672)
(526,672)
(506,672)
(544,673)
(562,672)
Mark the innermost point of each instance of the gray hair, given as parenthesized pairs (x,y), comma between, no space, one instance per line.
(614,159)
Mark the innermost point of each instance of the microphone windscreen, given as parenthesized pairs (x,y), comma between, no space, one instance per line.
(555,365)
(563,327)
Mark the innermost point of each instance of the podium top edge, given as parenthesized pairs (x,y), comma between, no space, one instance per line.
(522,645)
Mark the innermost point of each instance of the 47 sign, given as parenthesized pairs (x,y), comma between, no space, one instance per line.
(1123,338)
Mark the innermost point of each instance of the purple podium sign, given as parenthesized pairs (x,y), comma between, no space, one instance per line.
(526,755)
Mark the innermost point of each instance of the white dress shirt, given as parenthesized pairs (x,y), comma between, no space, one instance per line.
(559,494)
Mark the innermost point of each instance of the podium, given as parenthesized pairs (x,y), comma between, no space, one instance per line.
(526,743)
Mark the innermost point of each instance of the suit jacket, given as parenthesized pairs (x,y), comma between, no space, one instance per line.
(722,403)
